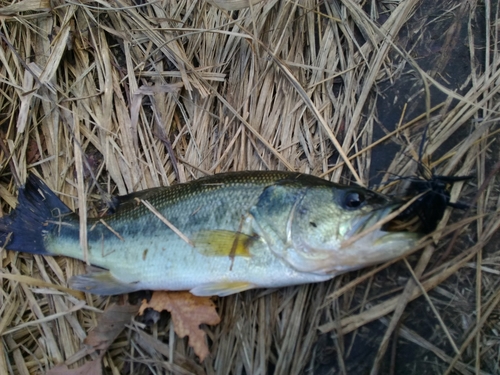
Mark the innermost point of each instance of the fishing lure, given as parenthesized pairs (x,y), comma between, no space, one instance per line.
(425,213)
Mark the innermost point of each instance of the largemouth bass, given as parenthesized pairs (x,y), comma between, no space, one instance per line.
(218,235)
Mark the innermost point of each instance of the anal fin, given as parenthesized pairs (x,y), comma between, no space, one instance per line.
(101,282)
(221,289)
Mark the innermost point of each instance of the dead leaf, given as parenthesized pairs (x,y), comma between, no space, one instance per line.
(109,326)
(188,312)
(32,152)
(90,368)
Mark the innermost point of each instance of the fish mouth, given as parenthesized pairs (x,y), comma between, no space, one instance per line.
(368,242)
(376,219)
(365,243)
(394,217)
(382,226)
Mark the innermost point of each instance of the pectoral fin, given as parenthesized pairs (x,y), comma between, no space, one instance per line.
(221,289)
(223,243)
(101,282)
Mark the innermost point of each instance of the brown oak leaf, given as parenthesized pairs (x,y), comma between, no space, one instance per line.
(188,312)
(109,326)
(90,368)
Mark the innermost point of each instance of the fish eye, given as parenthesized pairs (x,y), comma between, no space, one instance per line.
(354,199)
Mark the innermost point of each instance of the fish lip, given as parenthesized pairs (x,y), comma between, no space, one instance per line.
(371,218)
(381,235)
(375,244)
(384,237)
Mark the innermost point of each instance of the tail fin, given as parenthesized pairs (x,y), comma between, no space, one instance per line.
(24,229)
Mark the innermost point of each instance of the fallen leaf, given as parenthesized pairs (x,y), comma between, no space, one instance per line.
(188,312)
(109,326)
(90,368)
(32,152)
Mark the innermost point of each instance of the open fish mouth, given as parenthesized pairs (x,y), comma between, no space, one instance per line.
(378,219)
(396,217)
(382,227)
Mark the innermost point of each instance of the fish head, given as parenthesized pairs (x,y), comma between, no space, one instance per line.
(333,229)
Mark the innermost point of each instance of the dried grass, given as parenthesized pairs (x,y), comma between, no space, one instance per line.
(114,97)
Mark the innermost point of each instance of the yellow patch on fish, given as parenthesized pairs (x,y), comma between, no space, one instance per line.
(221,289)
(223,243)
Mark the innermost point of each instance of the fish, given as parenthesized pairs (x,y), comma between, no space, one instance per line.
(217,235)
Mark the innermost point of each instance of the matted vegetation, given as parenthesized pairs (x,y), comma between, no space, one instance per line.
(106,98)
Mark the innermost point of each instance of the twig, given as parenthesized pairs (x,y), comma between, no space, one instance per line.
(165,221)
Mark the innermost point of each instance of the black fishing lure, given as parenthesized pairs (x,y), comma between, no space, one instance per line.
(426,212)
(429,208)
